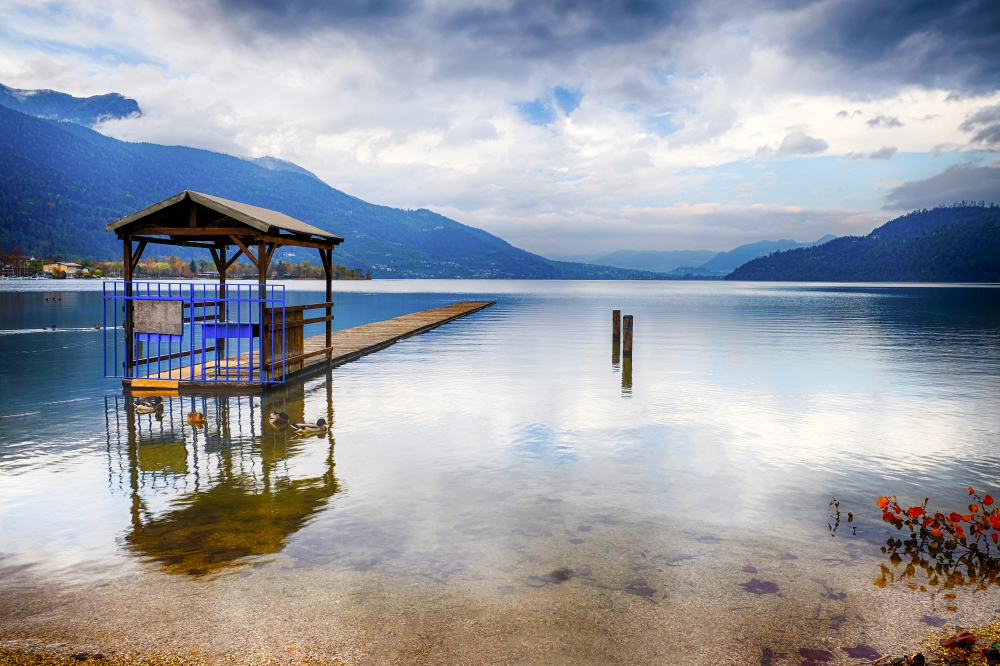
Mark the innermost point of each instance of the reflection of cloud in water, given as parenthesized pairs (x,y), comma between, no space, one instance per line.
(203,499)
(541,442)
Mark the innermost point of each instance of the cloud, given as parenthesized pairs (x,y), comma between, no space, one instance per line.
(470,132)
(960,182)
(952,45)
(796,143)
(530,118)
(884,153)
(986,124)
(742,191)
(885,122)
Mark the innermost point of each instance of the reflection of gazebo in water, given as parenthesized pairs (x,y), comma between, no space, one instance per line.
(233,494)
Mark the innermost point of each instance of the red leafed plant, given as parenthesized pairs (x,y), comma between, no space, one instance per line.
(953,549)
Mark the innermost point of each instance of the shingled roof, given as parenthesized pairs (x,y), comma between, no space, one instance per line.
(212,212)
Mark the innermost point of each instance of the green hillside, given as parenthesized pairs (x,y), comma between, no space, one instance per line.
(959,243)
(61,183)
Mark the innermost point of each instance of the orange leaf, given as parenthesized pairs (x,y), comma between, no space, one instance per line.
(936,532)
(994,537)
(955,517)
(960,533)
(987,500)
(995,521)
(915,511)
(974,508)
(967,517)
(971,491)
(882,502)
(887,517)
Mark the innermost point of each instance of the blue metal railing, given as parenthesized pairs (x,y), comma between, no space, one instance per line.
(194,339)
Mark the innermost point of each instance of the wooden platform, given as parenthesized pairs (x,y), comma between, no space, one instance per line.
(347,345)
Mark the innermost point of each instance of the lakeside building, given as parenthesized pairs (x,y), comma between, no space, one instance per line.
(68,267)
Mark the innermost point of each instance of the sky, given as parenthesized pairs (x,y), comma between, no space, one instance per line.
(562,126)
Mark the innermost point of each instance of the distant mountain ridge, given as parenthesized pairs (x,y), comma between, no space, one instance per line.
(52,105)
(724,262)
(61,183)
(661,261)
(959,243)
(680,263)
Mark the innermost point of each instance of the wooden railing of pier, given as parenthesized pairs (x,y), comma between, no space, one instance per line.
(329,349)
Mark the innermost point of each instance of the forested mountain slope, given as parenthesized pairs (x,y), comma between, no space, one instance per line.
(61,183)
(959,243)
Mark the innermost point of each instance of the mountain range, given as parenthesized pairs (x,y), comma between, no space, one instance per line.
(61,182)
(689,262)
(86,111)
(958,243)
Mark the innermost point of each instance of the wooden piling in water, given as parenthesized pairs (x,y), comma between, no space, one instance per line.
(627,336)
(616,325)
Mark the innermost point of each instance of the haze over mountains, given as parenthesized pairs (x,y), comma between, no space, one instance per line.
(683,262)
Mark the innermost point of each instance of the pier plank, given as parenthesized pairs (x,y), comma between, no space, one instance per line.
(346,345)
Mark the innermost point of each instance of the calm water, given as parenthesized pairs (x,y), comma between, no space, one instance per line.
(472,461)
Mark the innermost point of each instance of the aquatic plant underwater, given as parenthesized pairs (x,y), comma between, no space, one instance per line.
(953,550)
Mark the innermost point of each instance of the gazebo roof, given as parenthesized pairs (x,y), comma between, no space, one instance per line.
(193,216)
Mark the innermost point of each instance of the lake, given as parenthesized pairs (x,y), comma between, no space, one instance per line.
(503,489)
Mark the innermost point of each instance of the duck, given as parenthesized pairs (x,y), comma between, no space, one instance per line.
(196,418)
(278,419)
(319,426)
(149,405)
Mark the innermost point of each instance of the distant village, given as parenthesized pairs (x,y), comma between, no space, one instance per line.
(18,265)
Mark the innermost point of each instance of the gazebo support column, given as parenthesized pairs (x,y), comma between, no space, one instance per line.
(221,313)
(131,261)
(326,256)
(127,269)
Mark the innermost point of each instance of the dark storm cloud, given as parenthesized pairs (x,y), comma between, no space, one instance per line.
(961,182)
(926,42)
(296,16)
(527,28)
(986,124)
(954,45)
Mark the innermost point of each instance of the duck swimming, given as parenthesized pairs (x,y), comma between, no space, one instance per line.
(196,418)
(149,405)
(319,426)
(278,419)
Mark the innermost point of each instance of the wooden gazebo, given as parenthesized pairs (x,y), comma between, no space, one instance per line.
(193,219)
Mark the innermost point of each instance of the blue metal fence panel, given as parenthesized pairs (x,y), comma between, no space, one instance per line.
(213,316)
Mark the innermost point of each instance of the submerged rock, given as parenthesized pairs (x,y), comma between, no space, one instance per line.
(760,587)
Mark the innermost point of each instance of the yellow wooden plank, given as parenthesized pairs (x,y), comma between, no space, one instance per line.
(154,383)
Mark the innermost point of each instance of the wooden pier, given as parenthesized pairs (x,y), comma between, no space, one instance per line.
(345,346)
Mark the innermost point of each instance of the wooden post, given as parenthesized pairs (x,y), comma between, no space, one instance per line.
(127,267)
(221,307)
(627,338)
(328,267)
(262,294)
(616,325)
